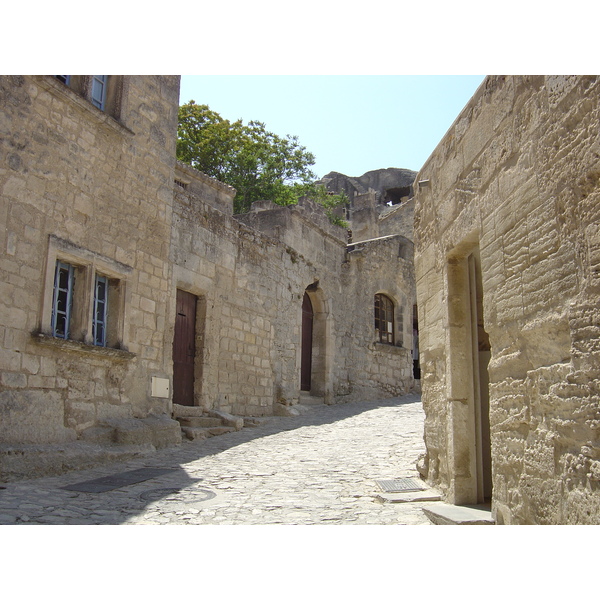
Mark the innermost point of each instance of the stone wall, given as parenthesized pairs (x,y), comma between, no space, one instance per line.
(506,236)
(383,265)
(96,197)
(398,219)
(252,271)
(82,186)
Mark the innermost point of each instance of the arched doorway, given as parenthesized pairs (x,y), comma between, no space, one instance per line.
(315,359)
(307,341)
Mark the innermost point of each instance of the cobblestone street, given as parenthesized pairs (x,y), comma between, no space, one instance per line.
(321,467)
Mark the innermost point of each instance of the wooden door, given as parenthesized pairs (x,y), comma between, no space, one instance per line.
(184,349)
(307,335)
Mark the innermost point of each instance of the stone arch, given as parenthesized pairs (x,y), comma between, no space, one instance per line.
(320,376)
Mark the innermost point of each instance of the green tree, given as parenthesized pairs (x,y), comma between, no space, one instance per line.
(259,164)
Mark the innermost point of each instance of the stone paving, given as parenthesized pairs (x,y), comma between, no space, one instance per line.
(317,468)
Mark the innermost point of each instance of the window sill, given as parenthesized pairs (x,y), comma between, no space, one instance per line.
(389,348)
(80,347)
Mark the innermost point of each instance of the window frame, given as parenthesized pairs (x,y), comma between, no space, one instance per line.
(384,313)
(98,83)
(100,315)
(85,268)
(67,294)
(104,92)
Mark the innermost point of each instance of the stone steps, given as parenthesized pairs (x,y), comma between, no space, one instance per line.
(187,411)
(450,514)
(198,423)
(202,433)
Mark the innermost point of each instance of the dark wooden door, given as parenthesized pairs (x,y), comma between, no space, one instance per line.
(307,335)
(184,349)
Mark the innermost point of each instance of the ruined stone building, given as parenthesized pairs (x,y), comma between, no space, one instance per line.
(379,202)
(507,236)
(391,186)
(131,293)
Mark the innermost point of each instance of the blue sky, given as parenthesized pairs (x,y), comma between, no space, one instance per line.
(352,124)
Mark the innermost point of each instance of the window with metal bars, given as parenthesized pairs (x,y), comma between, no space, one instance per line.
(384,319)
(69,284)
(62,303)
(99,323)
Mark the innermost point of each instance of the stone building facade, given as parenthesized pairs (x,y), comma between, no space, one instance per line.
(507,214)
(129,287)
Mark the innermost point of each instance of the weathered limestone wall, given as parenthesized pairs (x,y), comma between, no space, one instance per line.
(100,191)
(373,369)
(251,272)
(365,217)
(514,186)
(80,185)
(398,219)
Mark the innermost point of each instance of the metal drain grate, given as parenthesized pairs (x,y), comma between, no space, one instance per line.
(112,482)
(408,484)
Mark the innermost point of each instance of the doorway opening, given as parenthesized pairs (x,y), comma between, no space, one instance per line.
(187,346)
(315,363)
(415,350)
(307,342)
(468,384)
(481,352)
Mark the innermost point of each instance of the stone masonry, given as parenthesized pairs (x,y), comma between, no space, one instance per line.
(507,237)
(74,182)
(92,198)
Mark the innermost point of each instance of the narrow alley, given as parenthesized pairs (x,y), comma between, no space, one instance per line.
(322,467)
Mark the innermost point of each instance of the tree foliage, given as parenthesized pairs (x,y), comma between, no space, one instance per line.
(259,164)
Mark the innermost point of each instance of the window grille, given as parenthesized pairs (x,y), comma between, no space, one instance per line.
(100,311)
(64,279)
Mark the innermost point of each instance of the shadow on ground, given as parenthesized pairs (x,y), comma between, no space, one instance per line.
(116,493)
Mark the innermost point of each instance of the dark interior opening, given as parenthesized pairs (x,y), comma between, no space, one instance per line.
(396,195)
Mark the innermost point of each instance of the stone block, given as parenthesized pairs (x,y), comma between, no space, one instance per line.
(446,514)
(165,431)
(195,433)
(228,419)
(202,421)
(34,417)
(212,431)
(130,431)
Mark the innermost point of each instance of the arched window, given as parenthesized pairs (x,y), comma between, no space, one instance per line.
(384,319)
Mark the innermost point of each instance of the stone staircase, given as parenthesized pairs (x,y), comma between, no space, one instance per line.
(198,423)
